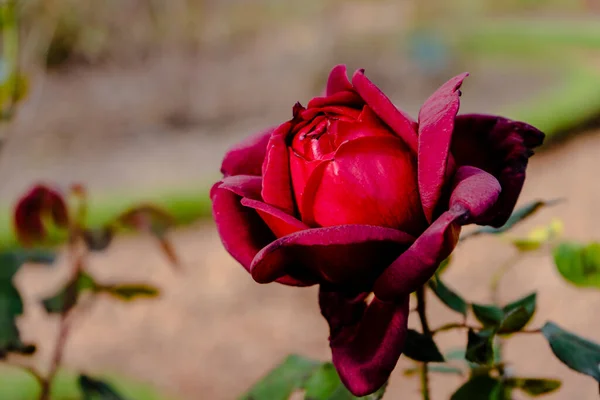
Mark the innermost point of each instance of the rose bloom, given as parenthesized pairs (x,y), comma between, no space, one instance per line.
(354,195)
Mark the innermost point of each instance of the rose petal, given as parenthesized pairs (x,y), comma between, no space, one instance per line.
(370,181)
(501,147)
(475,191)
(242,231)
(246,157)
(280,223)
(338,80)
(436,123)
(345,98)
(400,122)
(349,255)
(277,182)
(243,185)
(366,341)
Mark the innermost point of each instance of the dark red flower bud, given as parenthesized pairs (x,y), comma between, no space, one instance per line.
(41,204)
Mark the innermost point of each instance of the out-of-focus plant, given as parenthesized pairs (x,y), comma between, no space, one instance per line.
(46,208)
(481,362)
(13,85)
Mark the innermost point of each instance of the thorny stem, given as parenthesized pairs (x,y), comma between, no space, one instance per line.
(426,331)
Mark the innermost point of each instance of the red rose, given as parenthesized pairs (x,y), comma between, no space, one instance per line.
(356,196)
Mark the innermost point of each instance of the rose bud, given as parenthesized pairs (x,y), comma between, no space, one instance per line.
(356,196)
(39,204)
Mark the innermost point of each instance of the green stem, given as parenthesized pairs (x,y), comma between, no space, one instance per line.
(495,294)
(426,331)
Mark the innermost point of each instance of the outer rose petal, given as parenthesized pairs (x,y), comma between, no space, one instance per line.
(277,182)
(246,157)
(351,256)
(436,123)
(401,123)
(475,192)
(501,147)
(242,231)
(366,341)
(243,185)
(280,223)
(338,81)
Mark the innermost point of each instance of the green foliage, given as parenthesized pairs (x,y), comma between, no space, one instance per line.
(517,216)
(319,381)
(11,303)
(421,347)
(575,352)
(533,387)
(131,292)
(511,318)
(579,264)
(480,346)
(488,315)
(539,236)
(448,296)
(283,380)
(17,384)
(94,389)
(480,388)
(518,314)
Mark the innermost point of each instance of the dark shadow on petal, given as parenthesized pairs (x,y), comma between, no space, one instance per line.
(350,256)
(500,147)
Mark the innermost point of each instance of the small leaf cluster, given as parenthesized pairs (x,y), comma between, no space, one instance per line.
(42,211)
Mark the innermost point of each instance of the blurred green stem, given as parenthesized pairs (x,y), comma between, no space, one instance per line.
(421,310)
(502,270)
(500,273)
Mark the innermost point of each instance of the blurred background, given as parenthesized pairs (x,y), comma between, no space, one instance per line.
(139,99)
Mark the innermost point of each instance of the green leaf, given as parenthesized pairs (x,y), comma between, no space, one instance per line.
(421,347)
(67,297)
(534,387)
(579,264)
(94,389)
(516,217)
(488,315)
(131,292)
(518,314)
(575,352)
(11,306)
(283,380)
(11,303)
(448,296)
(480,388)
(322,383)
(480,347)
